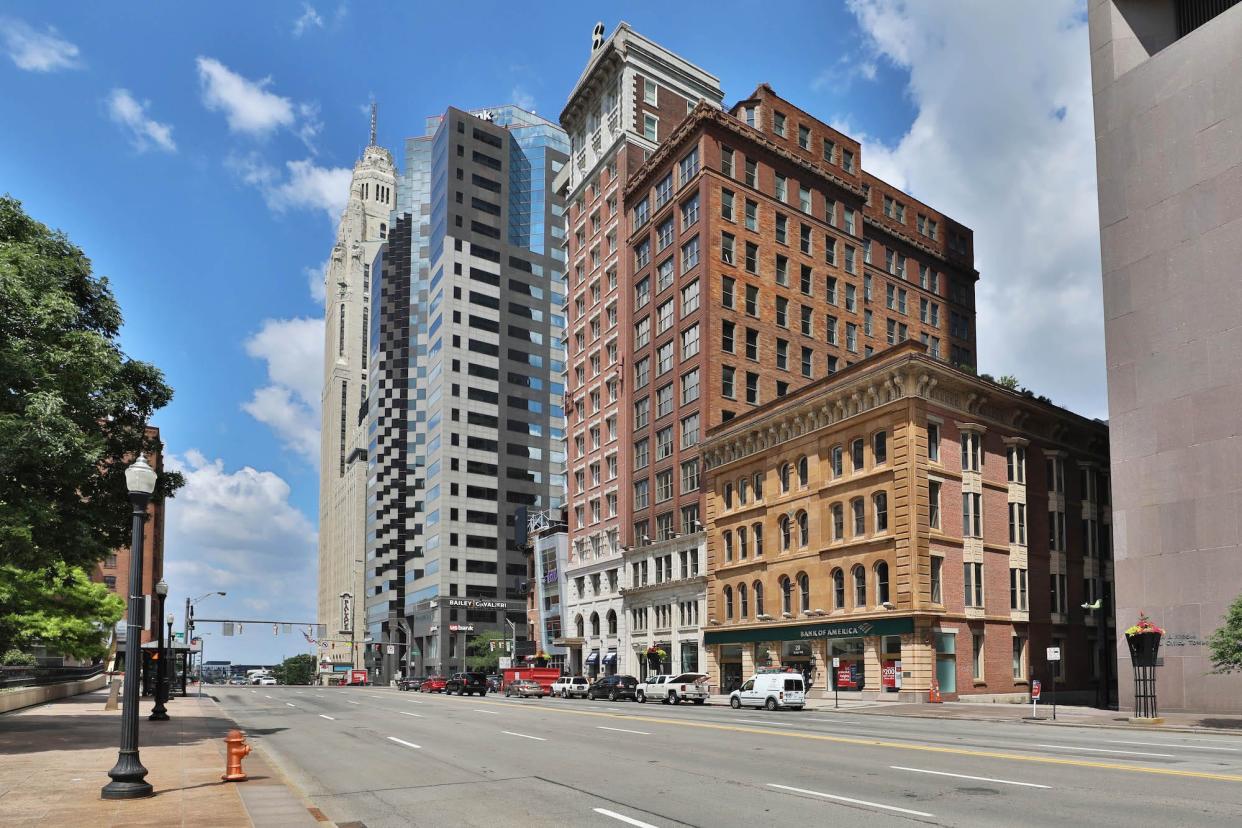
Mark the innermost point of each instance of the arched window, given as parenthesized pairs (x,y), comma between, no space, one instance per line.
(784,478)
(860,586)
(856,453)
(743,491)
(612,622)
(727,495)
(879,501)
(728,545)
(860,516)
(758,485)
(786,594)
(838,589)
(743,608)
(879,447)
(804,592)
(595,623)
(785,533)
(804,529)
(838,461)
(838,521)
(757,588)
(804,473)
(881,583)
(728,602)
(741,543)
(757,531)
(579,626)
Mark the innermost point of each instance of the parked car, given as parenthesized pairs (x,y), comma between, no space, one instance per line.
(466,684)
(410,683)
(673,689)
(432,684)
(237,681)
(567,687)
(613,688)
(525,688)
(494,683)
(771,690)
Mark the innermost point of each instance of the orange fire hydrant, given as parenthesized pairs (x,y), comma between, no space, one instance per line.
(236,749)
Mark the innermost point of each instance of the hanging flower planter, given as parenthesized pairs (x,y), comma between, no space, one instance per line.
(1143,639)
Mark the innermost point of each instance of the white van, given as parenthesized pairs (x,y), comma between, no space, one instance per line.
(771,690)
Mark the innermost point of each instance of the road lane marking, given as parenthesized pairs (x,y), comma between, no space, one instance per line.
(1106,750)
(404,742)
(408,713)
(852,801)
(976,778)
(868,741)
(488,712)
(352,702)
(623,730)
(329,718)
(290,704)
(524,736)
(266,697)
(623,818)
(1162,744)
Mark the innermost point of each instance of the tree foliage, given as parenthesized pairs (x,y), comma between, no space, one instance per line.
(56,606)
(298,669)
(1225,645)
(1009,381)
(73,406)
(480,654)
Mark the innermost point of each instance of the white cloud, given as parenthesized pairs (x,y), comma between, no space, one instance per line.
(236,531)
(309,18)
(316,281)
(289,404)
(145,132)
(37,51)
(303,186)
(987,147)
(522,99)
(247,105)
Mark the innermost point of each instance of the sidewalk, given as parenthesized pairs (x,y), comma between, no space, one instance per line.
(56,758)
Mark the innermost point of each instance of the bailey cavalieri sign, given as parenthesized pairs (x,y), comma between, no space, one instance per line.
(853,629)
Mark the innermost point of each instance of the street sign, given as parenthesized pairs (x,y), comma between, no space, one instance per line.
(506,662)
(391,649)
(1054,653)
(836,662)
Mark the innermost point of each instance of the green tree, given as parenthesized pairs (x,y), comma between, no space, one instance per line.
(57,606)
(298,669)
(482,655)
(1009,381)
(73,406)
(1225,645)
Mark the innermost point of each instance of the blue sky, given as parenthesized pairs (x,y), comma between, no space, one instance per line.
(199,154)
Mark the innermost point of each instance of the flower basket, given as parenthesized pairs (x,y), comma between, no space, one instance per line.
(1143,640)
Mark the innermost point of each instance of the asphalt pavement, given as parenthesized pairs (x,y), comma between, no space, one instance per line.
(378,757)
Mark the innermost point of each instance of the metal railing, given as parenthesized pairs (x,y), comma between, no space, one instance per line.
(36,676)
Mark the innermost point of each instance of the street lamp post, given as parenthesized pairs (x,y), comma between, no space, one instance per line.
(171,664)
(160,713)
(129,777)
(188,623)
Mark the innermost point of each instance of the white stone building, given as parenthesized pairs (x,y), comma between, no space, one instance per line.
(664,600)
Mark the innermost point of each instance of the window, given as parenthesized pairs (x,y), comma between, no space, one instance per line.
(784,477)
(741,543)
(804,282)
(851,337)
(727,287)
(860,587)
(808,358)
(1056,474)
(879,447)
(757,591)
(752,344)
(728,603)
(972,451)
(1017,523)
(847,160)
(690,431)
(726,160)
(690,298)
(1019,657)
(642,410)
(664,234)
(690,386)
(803,471)
(972,517)
(976,649)
(664,190)
(727,539)
(1059,597)
(726,205)
(838,589)
(727,330)
(650,127)
(752,173)
(881,583)
(838,521)
(778,123)
(838,459)
(782,354)
(786,533)
(690,211)
(642,372)
(664,401)
(664,485)
(690,476)
(743,610)
(880,504)
(972,580)
(642,332)
(782,188)
(758,485)
(650,90)
(807,319)
(752,388)
(664,358)
(1016,464)
(1017,589)
(786,594)
(782,228)
(757,531)
(933,442)
(829,148)
(856,454)
(782,311)
(752,216)
(782,270)
(937,579)
(804,137)
(688,167)
(804,530)
(1056,531)
(851,298)
(859,507)
(933,503)
(752,258)
(727,373)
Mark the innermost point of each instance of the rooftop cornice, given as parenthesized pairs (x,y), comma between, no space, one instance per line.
(914,242)
(705,112)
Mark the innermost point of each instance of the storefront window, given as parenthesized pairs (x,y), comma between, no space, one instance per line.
(890,664)
(730,667)
(689,657)
(851,672)
(946,662)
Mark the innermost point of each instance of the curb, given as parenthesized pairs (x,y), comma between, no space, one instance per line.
(1024,720)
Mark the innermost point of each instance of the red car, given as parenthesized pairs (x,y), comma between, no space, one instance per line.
(432,684)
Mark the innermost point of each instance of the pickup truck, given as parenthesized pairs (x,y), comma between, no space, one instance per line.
(672,689)
(568,687)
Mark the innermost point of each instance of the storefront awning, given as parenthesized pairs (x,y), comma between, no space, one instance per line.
(610,659)
(848,629)
(592,657)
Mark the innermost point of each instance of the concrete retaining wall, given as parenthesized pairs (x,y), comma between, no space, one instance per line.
(29,696)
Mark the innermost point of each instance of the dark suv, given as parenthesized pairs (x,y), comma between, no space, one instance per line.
(466,684)
(613,688)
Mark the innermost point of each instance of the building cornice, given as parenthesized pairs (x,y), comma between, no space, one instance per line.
(918,244)
(900,373)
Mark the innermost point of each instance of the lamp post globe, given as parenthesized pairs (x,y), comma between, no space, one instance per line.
(129,777)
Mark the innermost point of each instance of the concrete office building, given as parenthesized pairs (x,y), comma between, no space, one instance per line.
(465,412)
(915,522)
(342,436)
(1168,120)
(630,96)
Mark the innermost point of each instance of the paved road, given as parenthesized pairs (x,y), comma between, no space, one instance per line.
(384,758)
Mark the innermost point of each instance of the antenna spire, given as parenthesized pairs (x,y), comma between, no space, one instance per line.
(373,108)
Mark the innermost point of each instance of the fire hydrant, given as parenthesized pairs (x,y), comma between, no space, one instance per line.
(236,746)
